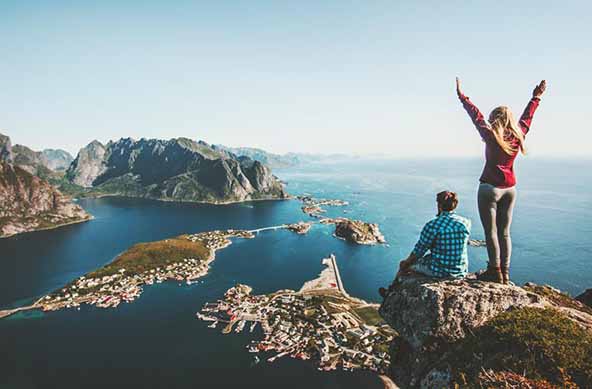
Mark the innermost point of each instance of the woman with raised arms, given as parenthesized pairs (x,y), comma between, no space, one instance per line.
(504,138)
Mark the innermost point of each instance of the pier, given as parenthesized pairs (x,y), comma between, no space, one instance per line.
(333,265)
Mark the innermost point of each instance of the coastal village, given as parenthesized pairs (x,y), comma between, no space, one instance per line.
(183,259)
(321,323)
(117,282)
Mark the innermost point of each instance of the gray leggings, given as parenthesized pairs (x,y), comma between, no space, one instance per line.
(495,209)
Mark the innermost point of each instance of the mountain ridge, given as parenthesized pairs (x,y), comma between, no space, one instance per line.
(177,169)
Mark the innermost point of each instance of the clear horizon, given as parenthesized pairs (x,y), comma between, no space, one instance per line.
(315,78)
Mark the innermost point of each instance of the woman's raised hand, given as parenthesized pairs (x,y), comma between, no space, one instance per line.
(539,89)
(458,91)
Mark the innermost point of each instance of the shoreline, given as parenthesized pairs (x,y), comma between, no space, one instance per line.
(170,200)
(38,303)
(91,217)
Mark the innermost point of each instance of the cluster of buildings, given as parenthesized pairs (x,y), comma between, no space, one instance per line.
(110,290)
(322,327)
(216,240)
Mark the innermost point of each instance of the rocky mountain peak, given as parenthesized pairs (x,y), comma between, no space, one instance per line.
(5,148)
(178,169)
(56,159)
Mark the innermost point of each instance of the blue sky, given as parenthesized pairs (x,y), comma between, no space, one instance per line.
(333,76)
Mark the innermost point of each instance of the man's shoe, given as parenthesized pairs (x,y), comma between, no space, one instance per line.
(492,274)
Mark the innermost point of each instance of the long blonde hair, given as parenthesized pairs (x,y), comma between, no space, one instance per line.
(505,130)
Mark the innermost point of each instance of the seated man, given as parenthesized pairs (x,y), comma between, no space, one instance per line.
(446,237)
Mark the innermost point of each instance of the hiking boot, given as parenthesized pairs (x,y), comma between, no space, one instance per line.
(505,275)
(492,274)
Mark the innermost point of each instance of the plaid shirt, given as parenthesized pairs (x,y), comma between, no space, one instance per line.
(446,238)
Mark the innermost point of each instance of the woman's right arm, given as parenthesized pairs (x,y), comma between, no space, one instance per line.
(474,113)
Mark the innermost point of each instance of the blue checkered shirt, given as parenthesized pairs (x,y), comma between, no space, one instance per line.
(446,238)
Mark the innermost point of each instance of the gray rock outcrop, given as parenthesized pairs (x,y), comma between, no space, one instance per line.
(421,309)
(431,314)
(357,231)
(88,165)
(55,159)
(5,149)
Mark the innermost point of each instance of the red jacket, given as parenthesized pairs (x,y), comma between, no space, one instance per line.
(499,166)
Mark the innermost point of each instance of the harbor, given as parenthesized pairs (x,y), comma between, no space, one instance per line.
(320,322)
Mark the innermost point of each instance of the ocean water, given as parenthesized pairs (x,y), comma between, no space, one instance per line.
(157,341)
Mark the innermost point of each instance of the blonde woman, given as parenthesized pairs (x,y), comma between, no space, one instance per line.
(504,139)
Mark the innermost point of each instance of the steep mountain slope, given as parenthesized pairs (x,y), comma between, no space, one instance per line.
(31,161)
(55,159)
(5,149)
(29,203)
(177,169)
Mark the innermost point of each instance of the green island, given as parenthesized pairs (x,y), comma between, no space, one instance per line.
(183,258)
(320,322)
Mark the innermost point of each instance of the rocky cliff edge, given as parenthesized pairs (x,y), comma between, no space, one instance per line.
(478,334)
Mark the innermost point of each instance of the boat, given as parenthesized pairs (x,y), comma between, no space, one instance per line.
(213,325)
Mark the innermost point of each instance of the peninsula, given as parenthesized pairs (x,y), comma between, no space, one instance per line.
(184,259)
(320,322)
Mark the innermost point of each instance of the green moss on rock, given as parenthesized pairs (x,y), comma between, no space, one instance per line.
(540,344)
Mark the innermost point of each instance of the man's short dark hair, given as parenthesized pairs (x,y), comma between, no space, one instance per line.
(447,200)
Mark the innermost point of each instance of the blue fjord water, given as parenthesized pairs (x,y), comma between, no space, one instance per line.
(156,341)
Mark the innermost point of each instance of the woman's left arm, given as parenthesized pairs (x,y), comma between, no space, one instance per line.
(527,115)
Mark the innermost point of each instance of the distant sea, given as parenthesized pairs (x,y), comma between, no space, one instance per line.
(157,341)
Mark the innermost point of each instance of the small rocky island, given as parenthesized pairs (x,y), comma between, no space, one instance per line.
(300,228)
(469,333)
(356,231)
(320,322)
(313,207)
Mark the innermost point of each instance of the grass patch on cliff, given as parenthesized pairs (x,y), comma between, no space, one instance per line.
(540,344)
(558,297)
(370,315)
(147,256)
